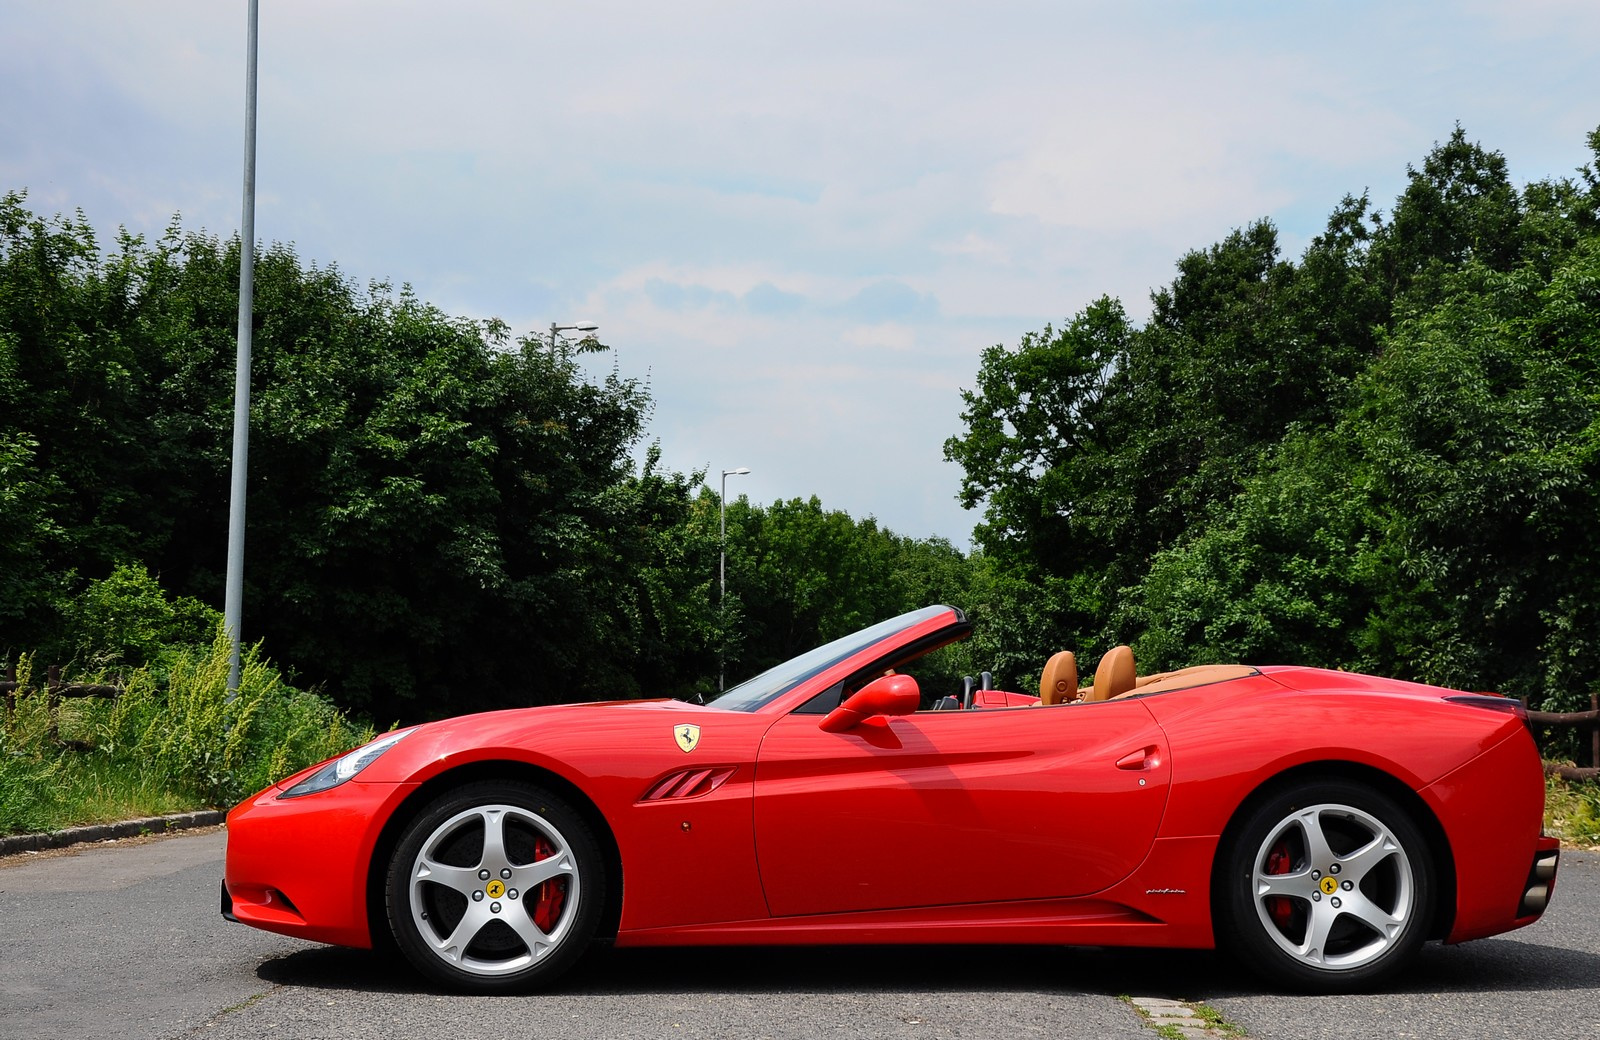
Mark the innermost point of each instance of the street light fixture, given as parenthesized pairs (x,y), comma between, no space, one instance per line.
(722,567)
(582,326)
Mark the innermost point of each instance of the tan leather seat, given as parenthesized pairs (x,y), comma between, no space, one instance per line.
(1115,674)
(1059,683)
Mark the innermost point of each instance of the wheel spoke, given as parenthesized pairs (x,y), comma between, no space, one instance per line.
(1318,928)
(494,839)
(1383,922)
(1361,862)
(462,879)
(534,937)
(454,946)
(1318,852)
(1290,886)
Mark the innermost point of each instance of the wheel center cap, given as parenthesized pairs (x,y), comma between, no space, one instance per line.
(495,889)
(1329,885)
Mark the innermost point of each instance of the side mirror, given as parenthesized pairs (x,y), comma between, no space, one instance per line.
(885,695)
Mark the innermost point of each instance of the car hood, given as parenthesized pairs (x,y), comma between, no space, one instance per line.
(548,736)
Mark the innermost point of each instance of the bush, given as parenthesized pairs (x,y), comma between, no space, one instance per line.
(127,618)
(191,736)
(1572,811)
(173,740)
(26,784)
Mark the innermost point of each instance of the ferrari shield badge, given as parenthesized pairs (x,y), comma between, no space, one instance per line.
(688,737)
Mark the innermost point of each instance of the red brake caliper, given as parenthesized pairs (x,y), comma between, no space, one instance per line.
(1279,907)
(551,895)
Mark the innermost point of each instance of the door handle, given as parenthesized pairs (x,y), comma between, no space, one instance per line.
(1145,758)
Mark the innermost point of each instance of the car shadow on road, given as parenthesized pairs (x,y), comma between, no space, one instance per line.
(726,969)
(1502,965)
(1485,966)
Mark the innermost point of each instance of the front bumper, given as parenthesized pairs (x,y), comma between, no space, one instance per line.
(299,866)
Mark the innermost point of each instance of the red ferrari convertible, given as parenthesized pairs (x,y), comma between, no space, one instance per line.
(1321,825)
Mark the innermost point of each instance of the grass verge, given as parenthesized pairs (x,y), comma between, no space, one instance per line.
(1572,812)
(174,741)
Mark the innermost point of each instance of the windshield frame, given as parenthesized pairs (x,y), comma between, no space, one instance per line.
(761,690)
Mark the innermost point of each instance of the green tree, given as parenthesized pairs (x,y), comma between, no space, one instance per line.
(72,425)
(800,575)
(1461,206)
(1279,577)
(1481,432)
(1382,456)
(438,519)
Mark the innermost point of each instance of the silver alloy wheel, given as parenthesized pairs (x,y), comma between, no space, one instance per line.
(479,916)
(1333,886)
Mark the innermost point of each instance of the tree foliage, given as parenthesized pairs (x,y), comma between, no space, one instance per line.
(1381,456)
(439,518)
(800,575)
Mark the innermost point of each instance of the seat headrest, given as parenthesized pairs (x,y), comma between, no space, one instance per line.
(1059,682)
(1115,674)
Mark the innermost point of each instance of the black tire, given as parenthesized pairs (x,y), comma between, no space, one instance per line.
(496,917)
(1325,887)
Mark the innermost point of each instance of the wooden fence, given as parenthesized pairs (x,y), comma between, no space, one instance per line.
(57,691)
(1587,719)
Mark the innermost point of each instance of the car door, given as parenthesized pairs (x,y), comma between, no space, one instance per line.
(949,807)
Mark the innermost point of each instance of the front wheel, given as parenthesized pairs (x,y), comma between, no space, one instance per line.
(1328,887)
(495,887)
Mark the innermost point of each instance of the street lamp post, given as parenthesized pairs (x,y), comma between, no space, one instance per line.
(722,568)
(582,326)
(233,591)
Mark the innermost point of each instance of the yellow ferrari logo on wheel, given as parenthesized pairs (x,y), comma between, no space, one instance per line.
(496,889)
(1329,886)
(688,737)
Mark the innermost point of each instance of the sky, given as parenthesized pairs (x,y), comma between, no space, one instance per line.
(799,224)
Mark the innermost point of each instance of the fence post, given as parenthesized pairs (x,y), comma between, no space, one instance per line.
(53,684)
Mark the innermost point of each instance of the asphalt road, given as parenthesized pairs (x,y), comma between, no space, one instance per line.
(125,941)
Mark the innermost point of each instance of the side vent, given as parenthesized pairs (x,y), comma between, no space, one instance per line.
(687,783)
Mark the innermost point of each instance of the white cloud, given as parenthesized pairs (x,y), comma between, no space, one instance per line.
(802,222)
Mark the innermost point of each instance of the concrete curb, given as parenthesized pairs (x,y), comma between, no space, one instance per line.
(107,831)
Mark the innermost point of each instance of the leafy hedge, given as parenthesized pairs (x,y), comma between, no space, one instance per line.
(174,739)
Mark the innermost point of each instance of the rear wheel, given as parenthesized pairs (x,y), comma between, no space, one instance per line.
(495,887)
(1326,887)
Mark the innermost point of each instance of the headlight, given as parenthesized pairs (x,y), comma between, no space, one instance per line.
(343,768)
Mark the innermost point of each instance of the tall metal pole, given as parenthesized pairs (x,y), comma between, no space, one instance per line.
(233,605)
(722,568)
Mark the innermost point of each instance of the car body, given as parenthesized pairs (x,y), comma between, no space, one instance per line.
(1320,824)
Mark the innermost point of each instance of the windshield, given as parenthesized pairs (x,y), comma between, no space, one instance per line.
(775,682)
